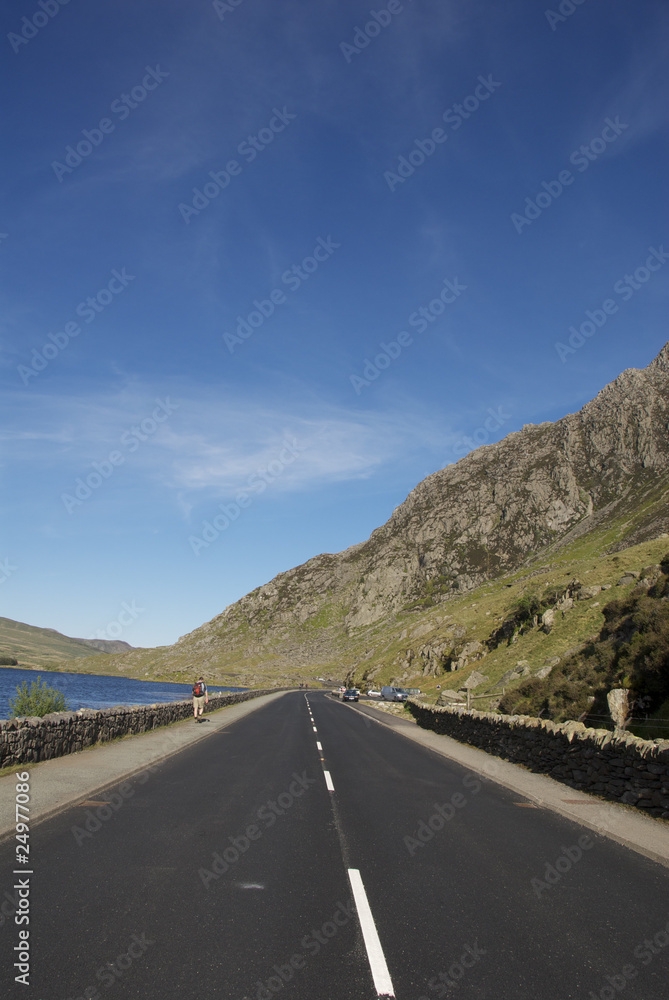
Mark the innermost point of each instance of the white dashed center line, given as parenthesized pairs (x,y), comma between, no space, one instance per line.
(328,780)
(377,961)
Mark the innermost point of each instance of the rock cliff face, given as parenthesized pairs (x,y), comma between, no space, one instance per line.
(539,487)
(604,468)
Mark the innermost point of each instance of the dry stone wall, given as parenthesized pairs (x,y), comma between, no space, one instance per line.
(30,739)
(617,766)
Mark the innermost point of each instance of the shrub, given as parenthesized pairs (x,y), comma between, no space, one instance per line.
(8,661)
(526,608)
(38,699)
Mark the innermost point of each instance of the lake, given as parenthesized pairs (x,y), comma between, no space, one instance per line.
(96,690)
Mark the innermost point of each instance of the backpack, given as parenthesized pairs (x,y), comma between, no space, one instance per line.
(198,689)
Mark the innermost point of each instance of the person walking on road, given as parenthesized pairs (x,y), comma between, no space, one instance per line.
(200,699)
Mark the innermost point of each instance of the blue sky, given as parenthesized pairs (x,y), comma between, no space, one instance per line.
(266,266)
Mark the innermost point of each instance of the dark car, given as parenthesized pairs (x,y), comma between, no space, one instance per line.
(350,695)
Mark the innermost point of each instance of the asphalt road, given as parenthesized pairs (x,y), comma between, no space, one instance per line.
(226,875)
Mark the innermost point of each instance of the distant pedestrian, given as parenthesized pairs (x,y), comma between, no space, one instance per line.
(200,699)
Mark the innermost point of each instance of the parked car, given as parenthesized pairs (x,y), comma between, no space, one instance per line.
(351,695)
(394,694)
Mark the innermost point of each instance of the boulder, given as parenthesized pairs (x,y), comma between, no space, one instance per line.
(474,680)
(619,707)
(448,697)
(548,620)
(586,593)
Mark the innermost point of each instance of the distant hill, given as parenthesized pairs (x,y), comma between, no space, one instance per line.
(107,645)
(41,647)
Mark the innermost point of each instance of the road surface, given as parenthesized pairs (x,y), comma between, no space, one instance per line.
(308,852)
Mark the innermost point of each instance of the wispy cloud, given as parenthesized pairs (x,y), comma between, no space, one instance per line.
(214,440)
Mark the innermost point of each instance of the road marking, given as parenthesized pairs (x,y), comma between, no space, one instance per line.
(328,781)
(318,746)
(315,730)
(377,961)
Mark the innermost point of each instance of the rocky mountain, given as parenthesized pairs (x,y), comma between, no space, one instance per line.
(604,469)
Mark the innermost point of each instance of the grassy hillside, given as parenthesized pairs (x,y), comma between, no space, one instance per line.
(631,652)
(35,647)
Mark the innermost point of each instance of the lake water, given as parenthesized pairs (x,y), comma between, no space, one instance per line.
(96,690)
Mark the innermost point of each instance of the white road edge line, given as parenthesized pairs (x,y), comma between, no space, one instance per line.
(328,780)
(377,961)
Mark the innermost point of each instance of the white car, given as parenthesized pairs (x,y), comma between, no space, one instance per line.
(373,694)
